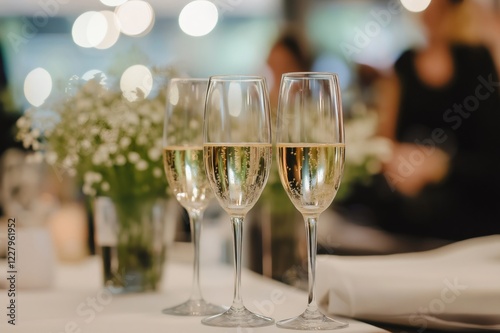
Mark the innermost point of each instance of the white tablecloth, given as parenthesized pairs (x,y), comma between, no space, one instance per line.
(77,303)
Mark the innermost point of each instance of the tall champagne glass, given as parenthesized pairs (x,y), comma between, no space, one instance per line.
(311,150)
(185,171)
(238,151)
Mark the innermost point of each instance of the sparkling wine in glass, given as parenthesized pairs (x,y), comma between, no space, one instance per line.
(311,153)
(185,170)
(238,151)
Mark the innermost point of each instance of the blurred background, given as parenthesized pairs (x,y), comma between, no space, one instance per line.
(46,44)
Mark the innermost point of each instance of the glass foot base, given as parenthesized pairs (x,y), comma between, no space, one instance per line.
(312,321)
(195,308)
(238,318)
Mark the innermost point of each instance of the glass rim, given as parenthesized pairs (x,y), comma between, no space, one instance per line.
(309,75)
(237,77)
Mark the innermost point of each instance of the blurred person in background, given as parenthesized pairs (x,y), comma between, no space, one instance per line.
(289,53)
(440,106)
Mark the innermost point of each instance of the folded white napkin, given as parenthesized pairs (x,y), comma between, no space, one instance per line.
(454,287)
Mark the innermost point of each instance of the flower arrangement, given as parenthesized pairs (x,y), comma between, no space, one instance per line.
(113,145)
(365,150)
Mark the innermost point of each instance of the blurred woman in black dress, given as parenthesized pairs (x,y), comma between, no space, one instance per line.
(441,108)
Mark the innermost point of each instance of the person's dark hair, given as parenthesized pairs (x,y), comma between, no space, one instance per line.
(297,48)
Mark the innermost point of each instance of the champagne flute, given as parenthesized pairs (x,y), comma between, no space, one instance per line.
(311,150)
(185,171)
(238,151)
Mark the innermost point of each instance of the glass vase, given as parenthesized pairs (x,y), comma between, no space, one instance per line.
(130,236)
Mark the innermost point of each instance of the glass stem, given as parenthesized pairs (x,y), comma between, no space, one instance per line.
(310,222)
(195,216)
(237,224)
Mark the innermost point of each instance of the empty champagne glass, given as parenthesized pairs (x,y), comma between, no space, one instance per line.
(185,171)
(311,150)
(238,151)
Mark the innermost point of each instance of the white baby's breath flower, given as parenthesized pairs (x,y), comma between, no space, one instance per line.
(67,162)
(85,144)
(132,119)
(72,172)
(143,110)
(35,133)
(91,177)
(22,122)
(112,148)
(82,105)
(27,141)
(154,154)
(156,117)
(82,118)
(193,124)
(88,177)
(35,145)
(105,186)
(157,172)
(134,157)
(99,157)
(141,165)
(87,189)
(97,177)
(109,136)
(95,131)
(120,160)
(158,143)
(142,140)
(125,142)
(51,157)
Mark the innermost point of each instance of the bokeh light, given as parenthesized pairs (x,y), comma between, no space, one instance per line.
(198,18)
(136,17)
(89,29)
(113,3)
(37,86)
(416,5)
(95,74)
(112,32)
(134,79)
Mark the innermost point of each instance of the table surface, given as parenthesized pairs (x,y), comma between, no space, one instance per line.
(76,302)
